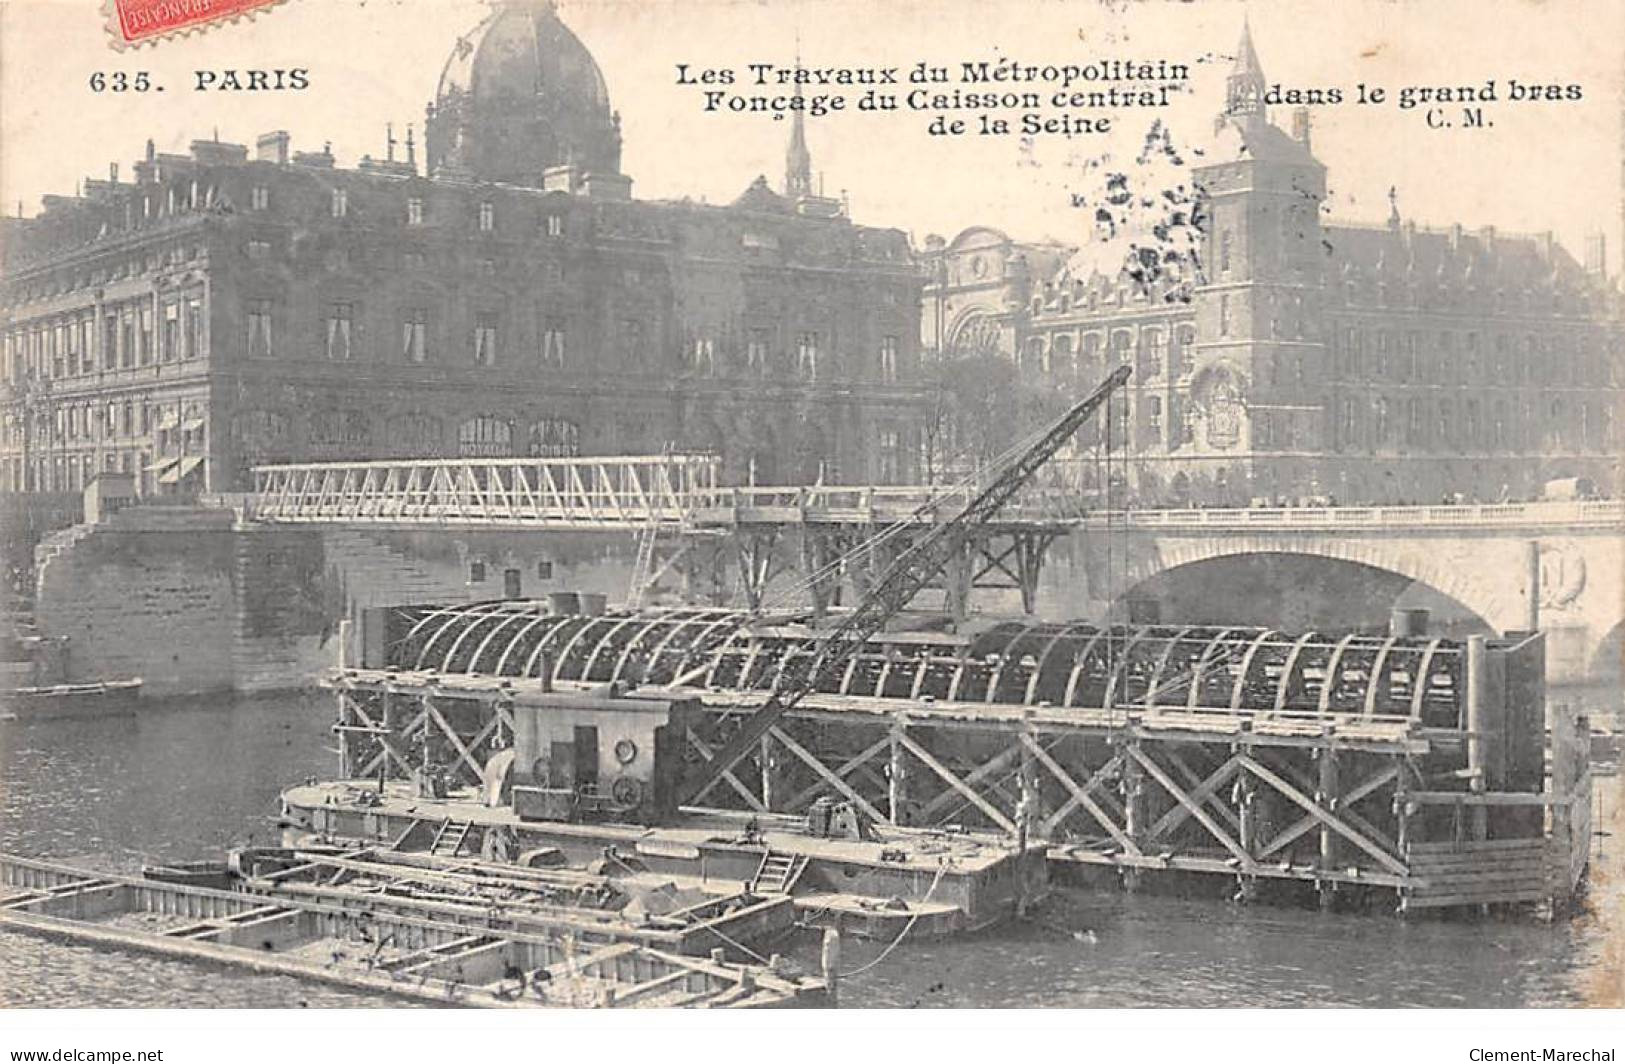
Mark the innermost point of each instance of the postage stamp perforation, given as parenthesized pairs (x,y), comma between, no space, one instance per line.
(117,15)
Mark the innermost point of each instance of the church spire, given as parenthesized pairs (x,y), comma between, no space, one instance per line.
(798,160)
(1244,90)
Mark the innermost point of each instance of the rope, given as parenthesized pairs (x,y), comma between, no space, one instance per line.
(906,928)
(613,856)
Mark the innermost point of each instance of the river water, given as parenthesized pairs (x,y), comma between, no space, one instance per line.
(188,779)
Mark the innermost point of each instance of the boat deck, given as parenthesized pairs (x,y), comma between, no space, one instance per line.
(400,955)
(977,878)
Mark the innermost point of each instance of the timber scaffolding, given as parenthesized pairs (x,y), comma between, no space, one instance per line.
(1362,765)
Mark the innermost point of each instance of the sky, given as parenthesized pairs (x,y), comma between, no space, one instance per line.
(1540,166)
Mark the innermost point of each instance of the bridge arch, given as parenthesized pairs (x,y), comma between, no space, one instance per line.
(1491,588)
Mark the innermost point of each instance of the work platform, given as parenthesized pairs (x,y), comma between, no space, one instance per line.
(1408,765)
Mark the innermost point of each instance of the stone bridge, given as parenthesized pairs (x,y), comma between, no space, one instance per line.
(1556,566)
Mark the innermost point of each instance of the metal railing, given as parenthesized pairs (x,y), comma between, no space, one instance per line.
(634,492)
(1609,513)
(586,493)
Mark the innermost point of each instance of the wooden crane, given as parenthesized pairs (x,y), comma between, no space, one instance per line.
(914,568)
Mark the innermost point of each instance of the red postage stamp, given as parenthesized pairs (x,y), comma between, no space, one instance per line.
(136,22)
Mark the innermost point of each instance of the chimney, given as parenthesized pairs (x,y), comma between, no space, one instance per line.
(1300,126)
(273,147)
(1408,623)
(1597,255)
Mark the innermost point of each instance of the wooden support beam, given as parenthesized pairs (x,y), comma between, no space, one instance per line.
(955,782)
(1347,813)
(1081,795)
(1302,826)
(987,768)
(1203,793)
(850,764)
(1293,794)
(726,775)
(896,771)
(451,735)
(1196,811)
(829,777)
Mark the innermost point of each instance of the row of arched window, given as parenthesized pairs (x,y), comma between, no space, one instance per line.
(1152,350)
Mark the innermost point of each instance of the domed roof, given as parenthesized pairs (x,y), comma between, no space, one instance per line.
(520,93)
(521,49)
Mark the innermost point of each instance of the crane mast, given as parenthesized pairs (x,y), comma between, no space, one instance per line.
(913,569)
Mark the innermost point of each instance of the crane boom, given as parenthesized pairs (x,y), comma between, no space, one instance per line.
(913,569)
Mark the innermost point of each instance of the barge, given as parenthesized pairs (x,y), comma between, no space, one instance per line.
(383,950)
(71,701)
(1396,770)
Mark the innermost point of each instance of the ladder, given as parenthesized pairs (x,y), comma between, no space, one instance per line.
(448,841)
(779,871)
(644,565)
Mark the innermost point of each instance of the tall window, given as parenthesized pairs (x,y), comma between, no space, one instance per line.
(756,351)
(807,356)
(1155,352)
(1153,415)
(1186,356)
(553,350)
(888,359)
(1224,315)
(127,337)
(553,224)
(192,338)
(1224,253)
(73,360)
(488,216)
(703,355)
(57,346)
(341,202)
(259,198)
(259,328)
(632,341)
(172,331)
(414,211)
(485,338)
(415,334)
(890,456)
(340,322)
(147,337)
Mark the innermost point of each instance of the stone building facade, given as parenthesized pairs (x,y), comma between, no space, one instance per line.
(508,297)
(1361,363)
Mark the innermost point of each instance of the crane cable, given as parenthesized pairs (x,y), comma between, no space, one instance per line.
(966,487)
(919,910)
